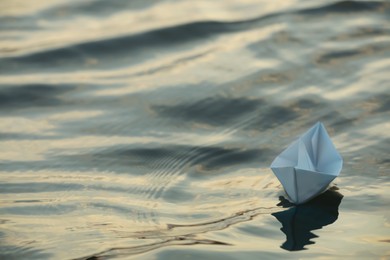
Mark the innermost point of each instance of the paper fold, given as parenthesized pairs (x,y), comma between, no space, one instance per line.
(307,166)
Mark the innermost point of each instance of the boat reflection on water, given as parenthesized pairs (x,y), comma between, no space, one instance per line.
(299,221)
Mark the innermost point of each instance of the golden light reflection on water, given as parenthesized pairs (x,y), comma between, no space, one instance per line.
(96,213)
(34,150)
(96,167)
(122,23)
(26,125)
(366,139)
(20,7)
(252,178)
(220,58)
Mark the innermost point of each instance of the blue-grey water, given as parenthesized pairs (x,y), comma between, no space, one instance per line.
(144,129)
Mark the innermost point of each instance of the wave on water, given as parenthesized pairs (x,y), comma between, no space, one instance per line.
(146,128)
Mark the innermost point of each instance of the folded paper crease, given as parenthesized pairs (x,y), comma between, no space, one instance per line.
(307,166)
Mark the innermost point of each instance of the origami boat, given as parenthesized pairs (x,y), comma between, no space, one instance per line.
(308,165)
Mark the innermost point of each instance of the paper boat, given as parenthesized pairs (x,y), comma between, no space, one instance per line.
(308,165)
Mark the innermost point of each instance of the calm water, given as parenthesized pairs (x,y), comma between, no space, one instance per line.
(144,129)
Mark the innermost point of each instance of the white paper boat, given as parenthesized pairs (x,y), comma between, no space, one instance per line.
(308,165)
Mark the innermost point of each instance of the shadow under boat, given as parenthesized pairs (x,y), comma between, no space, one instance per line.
(299,221)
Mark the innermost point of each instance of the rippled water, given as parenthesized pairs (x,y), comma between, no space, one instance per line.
(144,129)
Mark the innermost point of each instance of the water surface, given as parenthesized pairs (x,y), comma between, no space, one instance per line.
(144,129)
